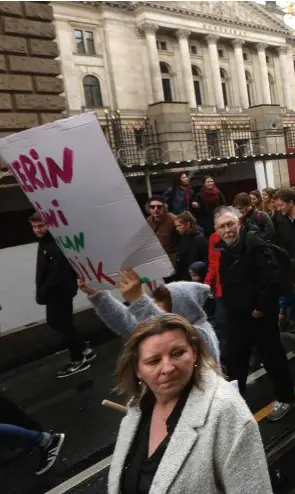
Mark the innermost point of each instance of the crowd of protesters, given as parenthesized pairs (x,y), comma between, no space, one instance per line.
(231,262)
(171,367)
(245,254)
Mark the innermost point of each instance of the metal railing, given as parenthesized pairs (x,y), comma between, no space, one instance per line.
(132,143)
(223,138)
(136,143)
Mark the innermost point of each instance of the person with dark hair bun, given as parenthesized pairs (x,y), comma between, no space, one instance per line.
(181,197)
(193,245)
(209,198)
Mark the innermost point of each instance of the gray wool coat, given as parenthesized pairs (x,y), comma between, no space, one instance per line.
(215,447)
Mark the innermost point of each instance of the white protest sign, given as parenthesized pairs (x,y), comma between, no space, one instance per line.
(68,172)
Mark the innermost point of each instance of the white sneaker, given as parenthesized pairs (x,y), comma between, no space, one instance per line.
(279,410)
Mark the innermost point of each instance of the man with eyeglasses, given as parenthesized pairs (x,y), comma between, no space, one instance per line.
(249,275)
(162,223)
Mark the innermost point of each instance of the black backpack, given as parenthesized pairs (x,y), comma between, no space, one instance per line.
(283,260)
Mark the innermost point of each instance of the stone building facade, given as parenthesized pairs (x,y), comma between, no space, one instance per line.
(30,82)
(218,56)
(192,68)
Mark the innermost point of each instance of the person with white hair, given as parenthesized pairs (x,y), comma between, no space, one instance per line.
(250,280)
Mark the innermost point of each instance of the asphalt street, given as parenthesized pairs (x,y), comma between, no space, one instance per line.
(73,405)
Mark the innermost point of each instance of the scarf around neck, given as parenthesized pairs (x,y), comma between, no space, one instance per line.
(210,195)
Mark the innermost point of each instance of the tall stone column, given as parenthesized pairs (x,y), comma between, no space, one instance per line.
(237,43)
(186,67)
(215,70)
(285,77)
(149,30)
(263,74)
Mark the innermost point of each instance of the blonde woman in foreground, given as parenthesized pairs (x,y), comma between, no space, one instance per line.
(187,430)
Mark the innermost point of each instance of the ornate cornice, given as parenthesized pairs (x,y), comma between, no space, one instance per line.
(130,6)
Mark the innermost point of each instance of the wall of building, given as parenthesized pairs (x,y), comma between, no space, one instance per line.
(29,86)
(121,64)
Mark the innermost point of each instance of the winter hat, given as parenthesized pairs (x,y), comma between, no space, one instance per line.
(199,268)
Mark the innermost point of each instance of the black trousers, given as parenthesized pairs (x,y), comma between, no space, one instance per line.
(264,332)
(10,413)
(59,316)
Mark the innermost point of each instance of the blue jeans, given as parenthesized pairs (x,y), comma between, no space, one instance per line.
(221,328)
(21,437)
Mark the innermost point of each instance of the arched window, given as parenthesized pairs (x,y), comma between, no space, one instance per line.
(166,82)
(92,92)
(224,85)
(250,88)
(272,89)
(197,77)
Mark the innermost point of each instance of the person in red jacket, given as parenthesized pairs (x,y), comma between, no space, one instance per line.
(213,280)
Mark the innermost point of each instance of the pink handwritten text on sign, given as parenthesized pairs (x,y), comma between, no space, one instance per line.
(84,271)
(33,175)
(52,218)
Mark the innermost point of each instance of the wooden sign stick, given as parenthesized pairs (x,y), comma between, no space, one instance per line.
(115,406)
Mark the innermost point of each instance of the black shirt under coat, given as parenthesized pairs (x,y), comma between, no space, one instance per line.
(139,469)
(55,278)
(193,247)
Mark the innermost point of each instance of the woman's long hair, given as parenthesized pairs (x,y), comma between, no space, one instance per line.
(177,180)
(267,206)
(127,380)
(257,194)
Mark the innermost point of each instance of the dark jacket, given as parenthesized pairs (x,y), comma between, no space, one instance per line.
(285,234)
(55,278)
(263,221)
(249,275)
(204,212)
(180,200)
(193,247)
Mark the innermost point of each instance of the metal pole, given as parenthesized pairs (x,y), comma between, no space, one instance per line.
(148,184)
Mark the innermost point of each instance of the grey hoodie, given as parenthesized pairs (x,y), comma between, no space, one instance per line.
(187,297)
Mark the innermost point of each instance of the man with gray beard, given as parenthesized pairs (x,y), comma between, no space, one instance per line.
(250,275)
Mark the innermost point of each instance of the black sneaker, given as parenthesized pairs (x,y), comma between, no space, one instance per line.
(50,453)
(89,354)
(73,368)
